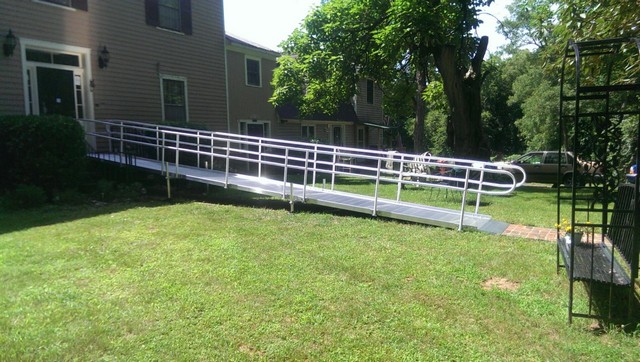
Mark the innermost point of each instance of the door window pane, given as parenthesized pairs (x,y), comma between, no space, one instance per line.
(337,136)
(174,100)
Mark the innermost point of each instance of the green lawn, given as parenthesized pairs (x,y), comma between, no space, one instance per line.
(214,281)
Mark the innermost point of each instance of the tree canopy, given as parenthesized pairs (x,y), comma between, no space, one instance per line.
(343,41)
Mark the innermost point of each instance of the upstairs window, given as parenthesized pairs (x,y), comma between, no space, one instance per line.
(369,91)
(76,4)
(253,72)
(169,14)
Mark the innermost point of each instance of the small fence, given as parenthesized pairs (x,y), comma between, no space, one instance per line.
(178,147)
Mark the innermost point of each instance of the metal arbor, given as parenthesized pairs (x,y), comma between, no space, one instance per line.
(597,218)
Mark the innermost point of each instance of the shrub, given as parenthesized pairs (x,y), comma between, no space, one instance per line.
(25,196)
(44,151)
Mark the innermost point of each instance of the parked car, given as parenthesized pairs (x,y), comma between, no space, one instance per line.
(542,167)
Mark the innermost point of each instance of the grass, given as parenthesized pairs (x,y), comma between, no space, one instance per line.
(214,281)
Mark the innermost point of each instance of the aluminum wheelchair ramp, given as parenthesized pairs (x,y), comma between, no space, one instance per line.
(191,155)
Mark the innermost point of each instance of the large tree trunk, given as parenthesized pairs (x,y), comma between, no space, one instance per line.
(418,131)
(462,87)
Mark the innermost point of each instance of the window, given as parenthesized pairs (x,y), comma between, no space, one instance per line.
(41,56)
(254,128)
(174,99)
(361,141)
(169,14)
(533,158)
(253,72)
(336,136)
(552,157)
(76,4)
(369,91)
(308,133)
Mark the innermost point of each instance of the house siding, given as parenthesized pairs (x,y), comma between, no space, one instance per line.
(248,102)
(372,113)
(129,88)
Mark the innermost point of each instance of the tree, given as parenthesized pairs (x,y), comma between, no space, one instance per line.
(499,110)
(531,24)
(342,41)
(548,25)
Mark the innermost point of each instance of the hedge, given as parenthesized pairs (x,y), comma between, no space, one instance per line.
(45,151)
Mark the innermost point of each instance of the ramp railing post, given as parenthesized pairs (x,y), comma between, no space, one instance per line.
(165,167)
(260,157)
(198,148)
(226,170)
(315,164)
(211,148)
(400,176)
(177,152)
(478,194)
(157,128)
(464,199)
(121,140)
(375,196)
(306,172)
(333,168)
(286,169)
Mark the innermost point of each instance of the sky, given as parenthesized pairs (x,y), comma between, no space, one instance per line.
(269,22)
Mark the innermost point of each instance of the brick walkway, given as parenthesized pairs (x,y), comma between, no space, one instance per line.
(531,232)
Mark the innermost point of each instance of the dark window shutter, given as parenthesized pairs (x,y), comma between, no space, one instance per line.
(185,8)
(80,5)
(151,12)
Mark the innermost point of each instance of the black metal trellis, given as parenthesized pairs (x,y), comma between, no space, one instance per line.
(599,100)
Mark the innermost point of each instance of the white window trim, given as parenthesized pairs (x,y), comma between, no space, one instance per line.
(246,74)
(54,5)
(254,121)
(84,69)
(186,94)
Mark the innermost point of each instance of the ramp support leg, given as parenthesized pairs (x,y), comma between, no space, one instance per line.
(291,198)
(168,177)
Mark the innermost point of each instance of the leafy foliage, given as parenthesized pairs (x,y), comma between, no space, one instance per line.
(43,151)
(392,43)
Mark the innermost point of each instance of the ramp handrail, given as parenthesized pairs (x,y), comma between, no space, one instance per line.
(205,147)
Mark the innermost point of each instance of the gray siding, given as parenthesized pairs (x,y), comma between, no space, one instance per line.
(249,102)
(129,87)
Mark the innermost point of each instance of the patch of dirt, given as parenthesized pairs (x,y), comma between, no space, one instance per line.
(251,351)
(500,283)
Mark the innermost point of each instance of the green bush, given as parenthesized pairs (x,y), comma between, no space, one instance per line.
(44,151)
(24,197)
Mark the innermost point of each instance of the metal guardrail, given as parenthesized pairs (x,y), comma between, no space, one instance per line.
(172,145)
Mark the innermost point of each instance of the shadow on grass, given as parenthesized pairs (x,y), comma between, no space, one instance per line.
(613,306)
(154,195)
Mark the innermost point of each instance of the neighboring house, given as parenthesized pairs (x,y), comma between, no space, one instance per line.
(250,69)
(153,60)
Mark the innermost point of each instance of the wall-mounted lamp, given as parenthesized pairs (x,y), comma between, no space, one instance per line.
(10,43)
(103,57)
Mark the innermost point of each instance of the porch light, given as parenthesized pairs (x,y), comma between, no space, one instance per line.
(103,58)
(10,43)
